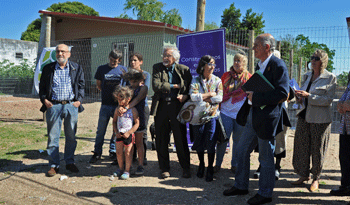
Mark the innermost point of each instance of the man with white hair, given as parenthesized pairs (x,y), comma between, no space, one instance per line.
(263,119)
(171,83)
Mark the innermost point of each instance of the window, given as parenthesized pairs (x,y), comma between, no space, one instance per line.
(127,49)
(19,55)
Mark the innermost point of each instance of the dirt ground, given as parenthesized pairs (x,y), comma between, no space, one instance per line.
(24,182)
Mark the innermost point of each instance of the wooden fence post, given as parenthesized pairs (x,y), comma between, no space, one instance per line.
(291,64)
(299,68)
(251,52)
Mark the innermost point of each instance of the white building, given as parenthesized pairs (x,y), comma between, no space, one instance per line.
(16,51)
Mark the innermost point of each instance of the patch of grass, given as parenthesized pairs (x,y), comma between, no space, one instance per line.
(114,185)
(323,182)
(16,139)
(21,140)
(98,176)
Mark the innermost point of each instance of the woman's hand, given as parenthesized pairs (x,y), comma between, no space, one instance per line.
(76,104)
(302,94)
(212,94)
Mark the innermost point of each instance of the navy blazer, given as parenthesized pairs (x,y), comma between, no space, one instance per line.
(268,122)
(77,79)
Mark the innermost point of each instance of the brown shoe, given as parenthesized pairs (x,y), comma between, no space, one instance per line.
(301,180)
(52,172)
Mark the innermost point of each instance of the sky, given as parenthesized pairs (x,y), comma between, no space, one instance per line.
(16,15)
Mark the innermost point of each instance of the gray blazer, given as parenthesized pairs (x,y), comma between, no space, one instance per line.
(322,92)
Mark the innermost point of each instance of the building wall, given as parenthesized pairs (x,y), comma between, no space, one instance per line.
(9,48)
(150,45)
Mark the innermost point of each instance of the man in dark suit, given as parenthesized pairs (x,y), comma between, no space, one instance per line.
(61,91)
(170,82)
(262,115)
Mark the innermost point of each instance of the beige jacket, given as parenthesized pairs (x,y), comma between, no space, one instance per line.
(322,92)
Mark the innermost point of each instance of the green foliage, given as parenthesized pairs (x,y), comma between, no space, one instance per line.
(210,26)
(73,8)
(303,47)
(237,30)
(23,70)
(342,79)
(33,30)
(152,10)
(172,17)
(124,16)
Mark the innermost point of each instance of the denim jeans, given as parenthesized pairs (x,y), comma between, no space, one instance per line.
(106,112)
(204,137)
(245,146)
(54,117)
(230,125)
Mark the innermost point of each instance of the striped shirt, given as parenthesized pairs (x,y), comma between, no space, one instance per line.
(62,85)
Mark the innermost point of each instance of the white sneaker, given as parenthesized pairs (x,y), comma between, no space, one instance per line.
(277,174)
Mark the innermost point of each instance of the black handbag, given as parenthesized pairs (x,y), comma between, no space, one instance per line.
(220,132)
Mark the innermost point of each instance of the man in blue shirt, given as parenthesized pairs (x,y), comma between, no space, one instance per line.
(61,91)
(107,77)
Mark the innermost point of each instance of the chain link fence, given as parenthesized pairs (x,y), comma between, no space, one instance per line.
(295,45)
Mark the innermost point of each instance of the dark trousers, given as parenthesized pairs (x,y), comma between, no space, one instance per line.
(344,158)
(165,120)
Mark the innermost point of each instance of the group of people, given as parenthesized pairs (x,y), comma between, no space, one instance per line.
(256,120)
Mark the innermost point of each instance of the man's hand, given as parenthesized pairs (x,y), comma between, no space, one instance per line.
(182,98)
(302,93)
(177,86)
(47,103)
(250,95)
(120,111)
(76,103)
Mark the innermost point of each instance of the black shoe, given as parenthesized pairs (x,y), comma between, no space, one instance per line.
(95,158)
(112,155)
(210,174)
(186,173)
(200,173)
(234,191)
(115,163)
(72,168)
(341,191)
(258,199)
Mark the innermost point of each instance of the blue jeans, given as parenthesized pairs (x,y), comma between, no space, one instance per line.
(106,112)
(54,117)
(245,146)
(204,137)
(230,125)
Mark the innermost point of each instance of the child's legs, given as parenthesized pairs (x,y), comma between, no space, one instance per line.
(128,156)
(139,146)
(120,156)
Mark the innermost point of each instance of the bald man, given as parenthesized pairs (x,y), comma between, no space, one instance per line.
(61,91)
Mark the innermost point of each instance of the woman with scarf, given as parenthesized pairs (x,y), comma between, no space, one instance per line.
(233,99)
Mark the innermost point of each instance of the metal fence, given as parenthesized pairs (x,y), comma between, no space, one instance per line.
(292,43)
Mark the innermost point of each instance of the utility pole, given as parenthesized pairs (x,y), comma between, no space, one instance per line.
(200,15)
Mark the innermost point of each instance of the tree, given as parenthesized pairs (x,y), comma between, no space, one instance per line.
(342,79)
(152,10)
(237,30)
(303,47)
(33,30)
(210,26)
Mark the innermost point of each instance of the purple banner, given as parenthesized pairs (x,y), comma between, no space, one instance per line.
(195,45)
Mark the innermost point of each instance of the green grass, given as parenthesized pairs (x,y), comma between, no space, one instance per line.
(20,137)
(19,140)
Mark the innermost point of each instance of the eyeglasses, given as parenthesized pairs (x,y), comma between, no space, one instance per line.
(211,64)
(315,58)
(60,51)
(167,56)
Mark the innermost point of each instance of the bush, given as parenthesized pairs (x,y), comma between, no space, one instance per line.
(21,71)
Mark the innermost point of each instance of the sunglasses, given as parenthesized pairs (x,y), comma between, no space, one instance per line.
(315,58)
(211,64)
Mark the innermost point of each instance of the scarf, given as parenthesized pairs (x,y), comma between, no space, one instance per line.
(233,82)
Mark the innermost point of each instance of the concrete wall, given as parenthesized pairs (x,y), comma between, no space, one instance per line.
(9,48)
